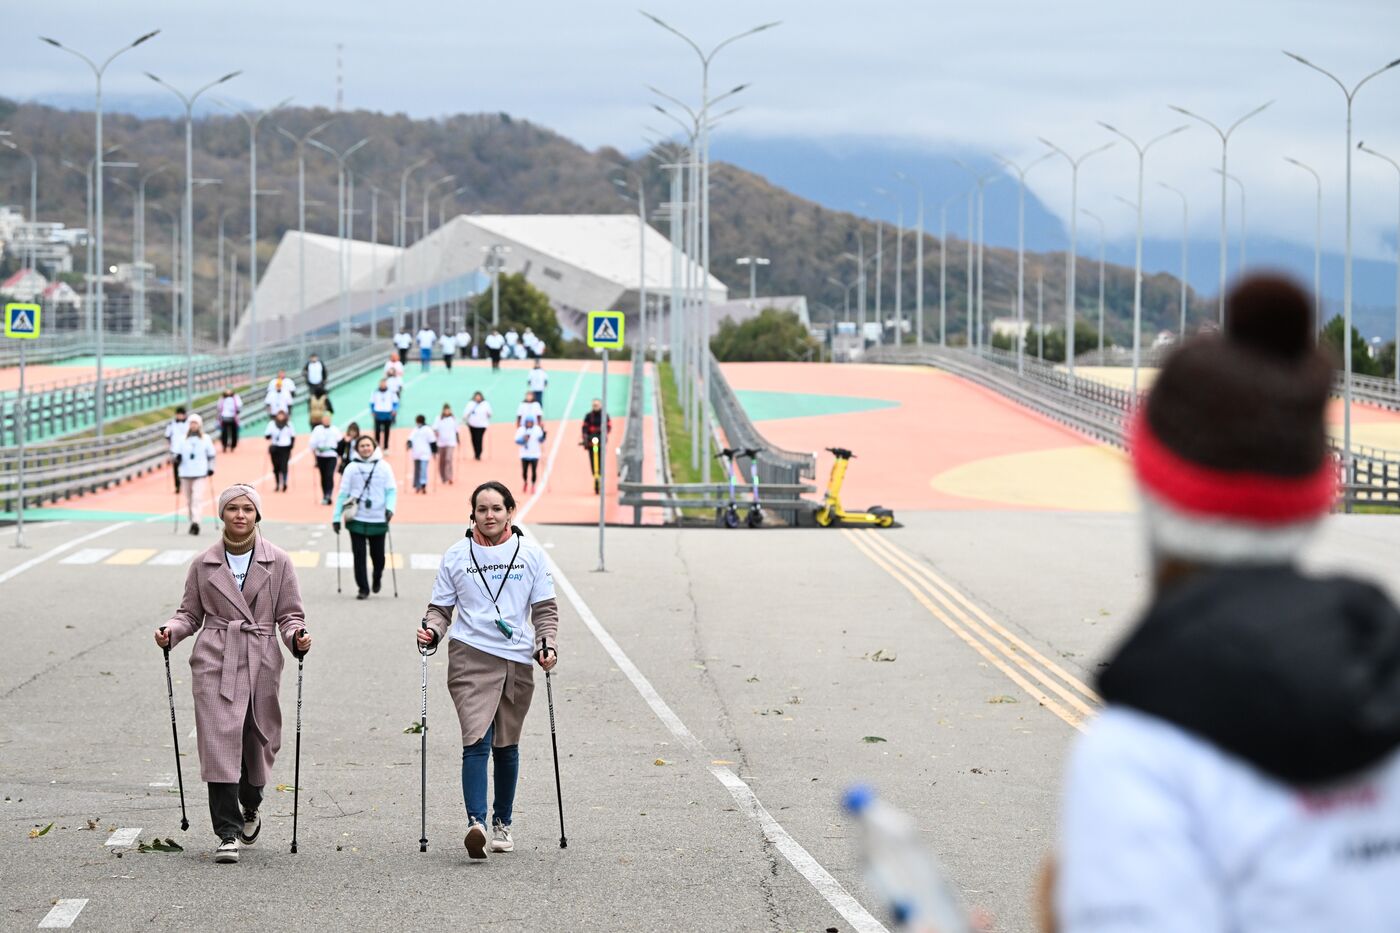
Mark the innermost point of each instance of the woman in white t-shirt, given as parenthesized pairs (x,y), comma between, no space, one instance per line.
(280,437)
(478,419)
(447,344)
(529,437)
(195,462)
(530,408)
(422,444)
(498,583)
(446,428)
(230,405)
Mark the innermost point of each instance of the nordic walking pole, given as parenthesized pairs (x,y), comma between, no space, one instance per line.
(558,791)
(175,734)
(423,729)
(296,774)
(393,574)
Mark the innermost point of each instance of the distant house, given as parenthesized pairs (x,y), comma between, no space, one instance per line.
(1009,327)
(61,294)
(740,310)
(24,285)
(1164,338)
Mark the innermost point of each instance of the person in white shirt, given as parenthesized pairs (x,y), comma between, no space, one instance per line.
(478,419)
(495,343)
(446,428)
(325,444)
(537,348)
(497,582)
(422,444)
(229,407)
(394,367)
(529,437)
(316,375)
(194,463)
(529,409)
(426,338)
(447,343)
(384,407)
(527,340)
(280,391)
(518,351)
(403,340)
(538,381)
(374,494)
(174,434)
(464,340)
(280,437)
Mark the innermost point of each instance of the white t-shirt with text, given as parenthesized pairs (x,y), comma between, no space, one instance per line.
(521,583)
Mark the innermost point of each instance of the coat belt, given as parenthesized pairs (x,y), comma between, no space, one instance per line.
(233,650)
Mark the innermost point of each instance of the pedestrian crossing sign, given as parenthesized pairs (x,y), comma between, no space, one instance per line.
(22,321)
(605,329)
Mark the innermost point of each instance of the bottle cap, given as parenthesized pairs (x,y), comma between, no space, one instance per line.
(857,798)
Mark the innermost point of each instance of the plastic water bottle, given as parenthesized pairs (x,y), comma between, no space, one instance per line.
(902,872)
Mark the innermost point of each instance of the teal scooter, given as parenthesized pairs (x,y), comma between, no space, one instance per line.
(755,516)
(728,516)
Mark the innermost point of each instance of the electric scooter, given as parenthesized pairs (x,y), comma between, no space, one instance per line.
(832,514)
(597,473)
(728,516)
(755,517)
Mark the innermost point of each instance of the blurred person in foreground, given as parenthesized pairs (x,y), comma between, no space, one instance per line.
(1244,774)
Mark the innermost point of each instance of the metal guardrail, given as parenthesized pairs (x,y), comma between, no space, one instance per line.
(1101,411)
(53,347)
(76,466)
(54,412)
(780,498)
(631,453)
(775,465)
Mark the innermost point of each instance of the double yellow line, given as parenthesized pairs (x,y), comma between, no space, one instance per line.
(1045,681)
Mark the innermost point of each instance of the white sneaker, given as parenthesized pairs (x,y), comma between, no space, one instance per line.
(475,840)
(500,837)
(227,852)
(252,826)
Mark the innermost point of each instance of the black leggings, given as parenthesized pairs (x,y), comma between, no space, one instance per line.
(228,434)
(478,435)
(447,360)
(281,456)
(327,467)
(358,544)
(529,470)
(381,432)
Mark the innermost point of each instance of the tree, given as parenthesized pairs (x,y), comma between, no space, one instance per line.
(1361,359)
(522,305)
(772,335)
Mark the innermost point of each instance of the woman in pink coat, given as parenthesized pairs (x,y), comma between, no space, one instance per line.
(243,593)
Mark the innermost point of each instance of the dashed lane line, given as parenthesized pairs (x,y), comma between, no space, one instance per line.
(62,914)
(89,555)
(798,857)
(123,838)
(131,556)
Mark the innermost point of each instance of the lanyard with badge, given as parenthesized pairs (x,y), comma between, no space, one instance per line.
(501,623)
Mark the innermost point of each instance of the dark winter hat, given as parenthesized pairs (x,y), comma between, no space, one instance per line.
(1230,450)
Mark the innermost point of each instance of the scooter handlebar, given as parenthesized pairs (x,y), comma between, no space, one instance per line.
(842,453)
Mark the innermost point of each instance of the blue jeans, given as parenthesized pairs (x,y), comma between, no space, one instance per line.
(426,355)
(507,760)
(420,474)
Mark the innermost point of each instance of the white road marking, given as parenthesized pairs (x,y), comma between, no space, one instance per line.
(55,551)
(62,914)
(336,559)
(424,561)
(13,529)
(543,484)
(828,887)
(88,555)
(194,733)
(124,837)
(171,558)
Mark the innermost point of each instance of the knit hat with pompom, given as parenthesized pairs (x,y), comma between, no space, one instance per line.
(1230,449)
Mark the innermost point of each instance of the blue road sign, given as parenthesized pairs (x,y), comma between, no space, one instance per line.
(22,321)
(605,329)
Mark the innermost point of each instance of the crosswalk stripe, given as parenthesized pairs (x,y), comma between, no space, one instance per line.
(131,556)
(344,559)
(424,561)
(124,837)
(88,555)
(62,914)
(174,558)
(304,558)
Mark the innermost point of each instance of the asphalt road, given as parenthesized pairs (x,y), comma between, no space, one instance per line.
(764,647)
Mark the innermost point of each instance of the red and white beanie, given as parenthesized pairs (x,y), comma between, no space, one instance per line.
(1230,450)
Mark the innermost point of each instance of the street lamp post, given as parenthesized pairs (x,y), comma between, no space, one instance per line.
(1395,165)
(300,143)
(141,248)
(98,71)
(943,269)
(1185,240)
(1141,150)
(87,238)
(1317,245)
(442,211)
(401,311)
(253,120)
(753,262)
(188,221)
(704,155)
(1102,239)
(1071,259)
(898,266)
(918,262)
(976,322)
(33,258)
(427,193)
(1243,217)
(1021,256)
(1224,135)
(341,226)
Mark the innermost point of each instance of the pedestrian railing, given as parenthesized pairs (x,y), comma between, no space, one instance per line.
(54,347)
(63,469)
(784,499)
(56,411)
(1102,413)
(631,453)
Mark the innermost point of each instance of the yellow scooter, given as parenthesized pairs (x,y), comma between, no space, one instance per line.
(832,514)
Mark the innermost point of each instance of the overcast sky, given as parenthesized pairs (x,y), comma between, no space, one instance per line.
(991,75)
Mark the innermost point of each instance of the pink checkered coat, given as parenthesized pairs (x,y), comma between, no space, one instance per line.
(236,662)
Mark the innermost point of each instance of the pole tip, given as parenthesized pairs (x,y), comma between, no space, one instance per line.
(294,848)
(184,825)
(563,843)
(422,846)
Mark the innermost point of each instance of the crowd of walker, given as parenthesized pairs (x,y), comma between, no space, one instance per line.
(1243,776)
